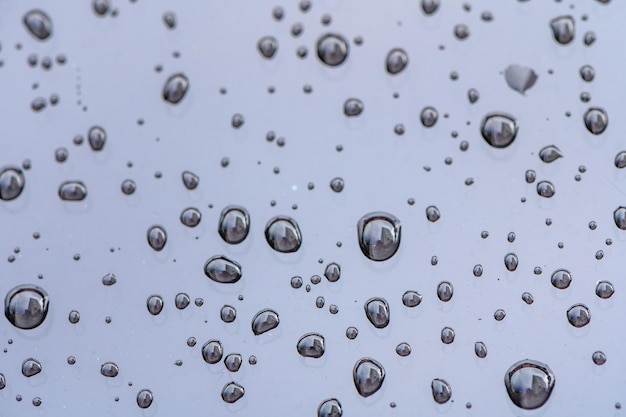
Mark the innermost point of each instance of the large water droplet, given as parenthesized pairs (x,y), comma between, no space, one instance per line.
(267,46)
(368,375)
(223,270)
(283,234)
(397,60)
(109,369)
(578,315)
(529,383)
(232,392)
(332,49)
(563,29)
(175,88)
(441,391)
(311,345)
(499,129)
(97,138)
(234,224)
(619,216)
(72,191)
(550,154)
(157,237)
(26,306)
(596,120)
(329,408)
(377,312)
(445,291)
(604,289)
(511,261)
(38,24)
(264,321)
(31,367)
(212,352)
(545,189)
(561,279)
(379,235)
(144,398)
(11,183)
(520,78)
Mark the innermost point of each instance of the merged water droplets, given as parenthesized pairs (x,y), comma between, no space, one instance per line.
(529,383)
(578,315)
(264,321)
(379,235)
(596,120)
(441,391)
(499,129)
(377,312)
(267,46)
(311,345)
(397,60)
(563,29)
(175,88)
(368,375)
(11,183)
(157,237)
(223,270)
(38,24)
(332,49)
(282,233)
(26,306)
(232,392)
(330,408)
(72,191)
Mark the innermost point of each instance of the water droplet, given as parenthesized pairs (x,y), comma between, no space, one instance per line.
(499,314)
(109,279)
(190,180)
(157,237)
(619,216)
(278,13)
(589,38)
(441,391)
(232,392)
(411,298)
(461,31)
(329,408)
(228,314)
(100,7)
(154,304)
(38,24)
(31,367)
(61,154)
(379,235)
(26,306)
(596,120)
(604,289)
(212,352)
(72,191)
(283,234)
(587,73)
(511,261)
(97,137)
(545,189)
(181,301)
(11,183)
(311,345)
(352,333)
(169,19)
(520,78)
(234,224)
(232,362)
(499,129)
(473,95)
(397,60)
(353,107)
(296,282)
(264,321)
(190,217)
(447,335)
(445,291)
(599,358)
(368,375)
(175,88)
(563,29)
(403,349)
(550,154)
(620,159)
(399,129)
(561,279)
(109,369)
(332,272)
(478,270)
(429,116)
(319,302)
(337,184)
(332,49)
(377,312)
(223,270)
(578,315)
(430,6)
(74,317)
(529,383)
(528,298)
(3,381)
(480,349)
(144,398)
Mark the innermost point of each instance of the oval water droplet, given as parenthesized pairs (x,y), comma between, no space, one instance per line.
(190,180)
(578,315)
(234,224)
(232,392)
(212,352)
(223,270)
(430,6)
(233,361)
(561,279)
(97,137)
(529,383)
(604,289)
(445,291)
(332,272)
(550,154)
(368,376)
(11,183)
(447,335)
(109,369)
(144,398)
(31,367)
(397,60)
(283,234)
(563,29)
(432,214)
(353,107)
(154,304)
(377,312)
(620,159)
(169,19)
(311,345)
(441,391)
(429,116)
(267,46)
(596,120)
(332,49)
(587,73)
(38,24)
(330,408)
(473,95)
(175,88)
(337,184)
(190,217)
(157,237)
(545,189)
(480,349)
(511,261)
(499,129)
(528,298)
(619,216)
(264,321)
(72,191)
(499,314)
(379,235)
(26,306)
(411,298)
(181,301)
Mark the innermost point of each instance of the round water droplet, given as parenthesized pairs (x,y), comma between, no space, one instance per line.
(528,298)
(232,362)
(223,270)
(397,60)
(181,301)
(296,282)
(31,367)
(368,376)
(264,321)
(100,7)
(332,49)
(563,29)
(337,184)
(480,349)
(578,315)
(97,137)
(379,235)
(228,314)
(441,391)
(232,392)
(38,24)
(587,73)
(529,383)
(190,217)
(604,289)
(403,349)
(619,216)
(332,272)
(561,279)
(283,234)
(545,189)
(499,314)
(352,333)
(61,154)
(157,237)
(319,302)
(169,19)
(447,335)
(109,369)
(429,116)
(72,191)
(311,345)
(144,398)
(430,6)
(411,298)
(499,129)
(11,183)
(234,224)
(511,261)
(353,107)
(175,88)
(377,312)
(190,180)
(26,306)
(550,154)
(329,408)
(445,291)
(461,31)
(154,304)
(74,317)
(589,38)
(212,352)
(128,187)
(620,159)
(267,46)
(599,358)
(596,120)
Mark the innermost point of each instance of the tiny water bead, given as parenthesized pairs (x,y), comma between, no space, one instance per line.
(620,160)
(169,20)
(232,392)
(97,137)
(429,7)
(330,408)
(578,315)
(545,189)
(396,61)
(432,214)
(311,345)
(11,183)
(368,375)
(599,358)
(264,321)
(74,317)
(499,129)
(26,306)
(352,333)
(332,49)
(461,31)
(379,235)
(175,88)
(445,291)
(596,120)
(296,282)
(478,270)
(283,235)
(550,154)
(563,29)
(587,73)
(31,367)
(377,312)
(222,270)
(319,302)
(411,299)
(353,107)
(38,24)
(604,289)
(212,352)
(154,304)
(144,398)
(267,46)
(109,369)
(157,237)
(473,95)
(337,184)
(529,383)
(441,391)
(109,279)
(72,191)
(561,279)
(480,349)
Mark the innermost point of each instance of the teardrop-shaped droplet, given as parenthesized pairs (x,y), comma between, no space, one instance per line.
(72,191)
(561,279)
(329,408)
(430,6)
(379,235)
(604,289)
(175,88)
(31,367)
(212,352)
(563,29)
(311,345)
(232,392)
(264,321)
(397,60)
(332,272)
(619,216)
(283,234)
(233,361)
(499,129)
(190,180)
(26,306)
(411,298)
(578,315)
(368,376)
(157,237)
(445,291)
(267,46)
(144,398)
(480,349)
(223,270)
(545,189)
(550,154)
(511,261)
(429,116)
(332,49)
(596,120)
(377,312)
(234,224)
(529,383)
(520,78)
(97,138)
(38,24)
(11,183)
(190,217)
(432,213)
(154,304)
(109,369)
(353,107)
(441,391)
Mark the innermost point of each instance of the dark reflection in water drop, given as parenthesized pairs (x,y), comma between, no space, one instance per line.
(38,24)
(311,345)
(175,88)
(264,321)
(596,120)
(377,312)
(330,408)
(379,235)
(72,191)
(441,391)
(11,183)
(499,129)
(529,383)
(26,306)
(144,398)
(157,237)
(397,60)
(563,29)
(283,234)
(332,49)
(368,376)
(232,392)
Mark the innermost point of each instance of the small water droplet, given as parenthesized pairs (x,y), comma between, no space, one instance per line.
(212,352)
(144,398)
(175,88)
(480,349)
(190,180)
(109,279)
(441,391)
(403,349)
(311,345)
(337,184)
(38,24)
(447,335)
(529,383)
(511,261)
(74,317)
(589,38)
(561,279)
(520,78)
(429,116)
(377,312)
(550,154)
(499,314)
(11,183)
(563,29)
(283,234)
(379,235)
(445,291)
(26,306)
(368,376)
(190,217)
(154,304)
(109,369)
(232,392)
(332,49)
(578,315)
(604,289)
(397,60)
(411,298)
(430,6)
(587,73)
(222,270)
(352,333)
(332,272)
(72,191)
(599,358)
(157,237)
(233,361)
(473,95)
(169,19)
(499,129)
(461,31)
(31,367)
(353,107)
(596,120)
(97,137)
(330,408)
(528,298)
(545,189)
(478,270)
(264,321)
(181,301)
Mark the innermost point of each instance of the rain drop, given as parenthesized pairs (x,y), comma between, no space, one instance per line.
(181,301)
(223,270)
(144,398)
(353,107)
(311,345)
(578,315)
(329,408)
(232,392)
(411,299)
(283,234)
(31,367)
(264,321)
(430,6)
(232,362)
(480,349)
(441,391)
(445,291)
(561,279)
(175,88)
(368,376)
(38,24)
(190,180)
(212,352)
(604,289)
(545,189)
(109,369)
(377,312)
(529,383)
(447,335)
(550,154)
(332,49)
(332,272)
(190,217)
(599,358)
(97,137)
(26,306)
(520,78)
(396,61)
(379,235)
(403,349)
(154,304)
(499,129)
(511,261)
(563,29)
(157,237)
(429,116)
(596,120)
(11,183)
